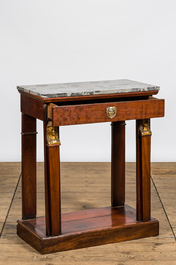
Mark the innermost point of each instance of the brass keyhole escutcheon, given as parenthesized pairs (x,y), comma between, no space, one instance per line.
(111,112)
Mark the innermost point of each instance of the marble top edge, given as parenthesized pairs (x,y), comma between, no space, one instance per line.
(87,88)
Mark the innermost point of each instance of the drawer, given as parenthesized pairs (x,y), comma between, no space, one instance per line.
(105,112)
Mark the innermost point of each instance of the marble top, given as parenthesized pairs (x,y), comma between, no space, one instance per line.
(87,88)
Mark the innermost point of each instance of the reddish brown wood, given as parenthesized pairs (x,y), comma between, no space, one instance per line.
(53,172)
(93,113)
(101,226)
(138,173)
(89,219)
(32,107)
(28,167)
(92,97)
(143,175)
(98,226)
(52,189)
(47,202)
(117,163)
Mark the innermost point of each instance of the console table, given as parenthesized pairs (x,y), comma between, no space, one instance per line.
(80,103)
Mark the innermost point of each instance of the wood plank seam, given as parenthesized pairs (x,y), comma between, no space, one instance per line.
(163,208)
(10,205)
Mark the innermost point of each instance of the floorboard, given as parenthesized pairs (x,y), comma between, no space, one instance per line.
(82,189)
(9,175)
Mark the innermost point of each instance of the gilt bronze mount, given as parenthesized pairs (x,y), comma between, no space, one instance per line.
(52,134)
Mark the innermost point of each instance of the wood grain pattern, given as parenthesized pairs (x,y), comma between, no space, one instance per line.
(28,167)
(47,201)
(32,107)
(53,190)
(94,113)
(138,173)
(9,175)
(146,251)
(143,176)
(112,226)
(55,233)
(117,163)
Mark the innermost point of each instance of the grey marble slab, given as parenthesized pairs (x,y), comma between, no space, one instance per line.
(87,88)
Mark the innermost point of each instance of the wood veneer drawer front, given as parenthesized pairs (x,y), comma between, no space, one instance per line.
(94,113)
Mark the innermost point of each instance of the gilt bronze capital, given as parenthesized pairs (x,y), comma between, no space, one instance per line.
(52,134)
(145,127)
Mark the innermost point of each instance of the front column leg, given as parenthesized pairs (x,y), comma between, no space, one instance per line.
(117,163)
(28,167)
(52,180)
(143,143)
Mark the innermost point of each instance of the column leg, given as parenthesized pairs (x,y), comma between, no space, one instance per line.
(117,163)
(28,167)
(52,180)
(143,143)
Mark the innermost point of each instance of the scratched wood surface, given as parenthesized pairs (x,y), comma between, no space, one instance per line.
(84,186)
(9,175)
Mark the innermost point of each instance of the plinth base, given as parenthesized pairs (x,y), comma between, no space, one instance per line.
(87,228)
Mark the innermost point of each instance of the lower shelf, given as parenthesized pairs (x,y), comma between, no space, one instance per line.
(87,228)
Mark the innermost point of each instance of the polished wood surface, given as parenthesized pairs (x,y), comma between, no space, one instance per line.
(53,190)
(93,113)
(80,236)
(143,173)
(149,251)
(95,227)
(145,178)
(117,163)
(52,186)
(28,167)
(32,107)
(47,199)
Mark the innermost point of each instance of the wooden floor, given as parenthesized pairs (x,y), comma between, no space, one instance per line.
(85,186)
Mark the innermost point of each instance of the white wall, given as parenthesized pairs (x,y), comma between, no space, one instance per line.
(52,41)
